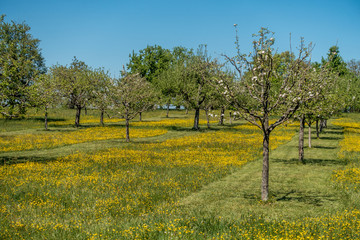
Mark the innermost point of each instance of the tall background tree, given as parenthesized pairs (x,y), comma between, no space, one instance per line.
(20,63)
(76,85)
(192,81)
(165,81)
(149,62)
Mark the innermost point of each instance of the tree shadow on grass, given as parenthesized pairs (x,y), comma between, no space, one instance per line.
(324,147)
(6,160)
(312,161)
(333,130)
(50,119)
(185,129)
(330,138)
(311,198)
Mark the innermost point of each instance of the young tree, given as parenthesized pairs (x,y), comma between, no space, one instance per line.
(165,81)
(192,81)
(354,82)
(265,92)
(44,94)
(102,92)
(326,103)
(20,63)
(133,95)
(76,85)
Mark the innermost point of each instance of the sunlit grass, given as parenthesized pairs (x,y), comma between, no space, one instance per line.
(22,142)
(349,177)
(198,185)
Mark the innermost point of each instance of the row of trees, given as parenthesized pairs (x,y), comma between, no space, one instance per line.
(264,84)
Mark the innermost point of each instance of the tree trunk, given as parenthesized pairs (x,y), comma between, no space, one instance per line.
(140,117)
(207,118)
(196,119)
(46,118)
(127,130)
(265,168)
(187,111)
(323,124)
(309,124)
(230,119)
(85,110)
(317,129)
(77,118)
(167,110)
(102,118)
(221,121)
(301,139)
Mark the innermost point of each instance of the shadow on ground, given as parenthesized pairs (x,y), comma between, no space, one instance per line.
(313,161)
(311,198)
(6,160)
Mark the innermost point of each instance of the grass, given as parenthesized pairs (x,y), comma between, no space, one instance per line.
(296,190)
(179,185)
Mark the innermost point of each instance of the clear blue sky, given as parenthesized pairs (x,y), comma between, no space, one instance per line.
(104,33)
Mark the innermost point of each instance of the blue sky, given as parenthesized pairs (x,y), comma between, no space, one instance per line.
(104,33)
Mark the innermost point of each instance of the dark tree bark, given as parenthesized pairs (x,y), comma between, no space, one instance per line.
(127,130)
(309,124)
(196,119)
(230,119)
(301,139)
(317,129)
(265,168)
(140,117)
(77,118)
(323,124)
(222,112)
(102,118)
(46,118)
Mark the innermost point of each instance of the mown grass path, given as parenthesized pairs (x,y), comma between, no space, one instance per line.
(48,154)
(297,190)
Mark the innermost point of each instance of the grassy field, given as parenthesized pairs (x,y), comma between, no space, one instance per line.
(174,183)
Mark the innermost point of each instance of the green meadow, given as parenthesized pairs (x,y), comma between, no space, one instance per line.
(171,182)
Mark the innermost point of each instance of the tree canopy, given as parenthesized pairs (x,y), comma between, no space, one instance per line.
(20,62)
(149,62)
